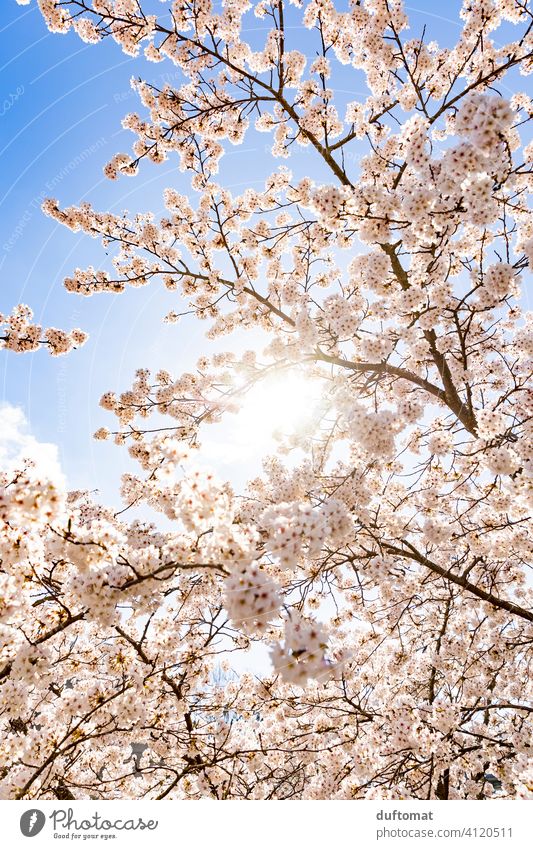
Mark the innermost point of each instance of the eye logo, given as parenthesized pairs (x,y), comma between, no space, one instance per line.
(32,822)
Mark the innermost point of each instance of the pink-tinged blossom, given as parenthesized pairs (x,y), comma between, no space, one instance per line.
(380,557)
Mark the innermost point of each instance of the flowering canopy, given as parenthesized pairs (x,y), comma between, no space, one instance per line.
(386,566)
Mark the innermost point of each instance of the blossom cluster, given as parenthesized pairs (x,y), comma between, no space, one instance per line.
(251,598)
(380,555)
(18,333)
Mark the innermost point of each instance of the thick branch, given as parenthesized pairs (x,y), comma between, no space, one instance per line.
(495,601)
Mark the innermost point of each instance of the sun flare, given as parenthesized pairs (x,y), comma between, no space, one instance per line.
(278,405)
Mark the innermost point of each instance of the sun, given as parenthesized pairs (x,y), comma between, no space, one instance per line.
(278,405)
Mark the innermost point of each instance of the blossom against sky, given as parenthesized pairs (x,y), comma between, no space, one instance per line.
(61,110)
(396,285)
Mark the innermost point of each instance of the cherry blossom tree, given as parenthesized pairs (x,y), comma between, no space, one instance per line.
(386,565)
(19,333)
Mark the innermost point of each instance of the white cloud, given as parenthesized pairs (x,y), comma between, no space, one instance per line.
(18,443)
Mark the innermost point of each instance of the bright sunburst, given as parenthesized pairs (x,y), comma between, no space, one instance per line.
(280,404)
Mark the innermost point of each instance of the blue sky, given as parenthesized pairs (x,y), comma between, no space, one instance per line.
(61,103)
(60,123)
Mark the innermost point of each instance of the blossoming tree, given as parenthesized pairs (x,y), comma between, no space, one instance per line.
(386,566)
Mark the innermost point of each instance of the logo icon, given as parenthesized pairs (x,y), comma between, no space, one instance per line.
(32,822)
